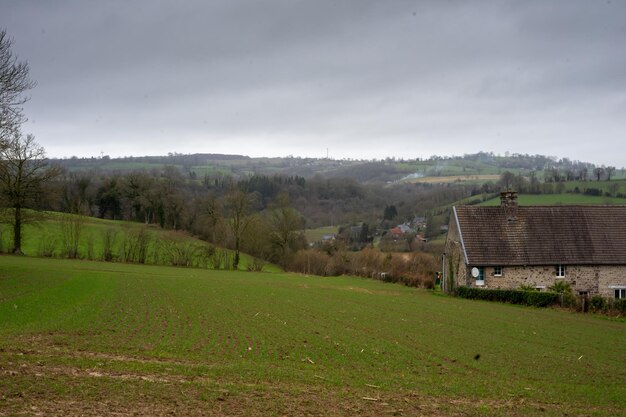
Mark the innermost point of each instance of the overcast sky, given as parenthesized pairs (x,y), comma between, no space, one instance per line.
(363,79)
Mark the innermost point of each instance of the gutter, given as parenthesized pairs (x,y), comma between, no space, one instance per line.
(458,226)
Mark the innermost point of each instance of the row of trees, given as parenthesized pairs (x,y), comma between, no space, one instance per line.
(584,172)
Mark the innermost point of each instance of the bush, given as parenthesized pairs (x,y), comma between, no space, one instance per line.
(597,303)
(564,290)
(596,192)
(222,259)
(177,252)
(525,287)
(135,246)
(47,245)
(256,265)
(618,306)
(530,298)
(338,264)
(310,262)
(108,242)
(411,269)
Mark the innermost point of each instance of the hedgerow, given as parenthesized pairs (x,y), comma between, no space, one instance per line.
(530,298)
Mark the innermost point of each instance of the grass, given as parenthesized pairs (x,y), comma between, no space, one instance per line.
(555,199)
(316,235)
(614,186)
(454,178)
(45,238)
(93,338)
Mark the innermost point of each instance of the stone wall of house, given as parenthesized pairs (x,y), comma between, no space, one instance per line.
(454,259)
(593,279)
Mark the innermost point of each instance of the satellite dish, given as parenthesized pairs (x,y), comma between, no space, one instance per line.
(475,272)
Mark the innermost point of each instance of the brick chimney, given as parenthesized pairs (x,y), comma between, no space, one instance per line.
(508,201)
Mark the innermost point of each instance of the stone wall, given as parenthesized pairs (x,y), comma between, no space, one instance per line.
(454,259)
(593,279)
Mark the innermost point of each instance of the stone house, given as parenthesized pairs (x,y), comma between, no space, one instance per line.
(510,245)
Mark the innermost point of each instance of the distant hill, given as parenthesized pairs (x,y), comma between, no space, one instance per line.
(479,167)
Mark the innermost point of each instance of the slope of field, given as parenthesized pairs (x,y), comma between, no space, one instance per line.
(48,236)
(552,199)
(316,235)
(454,178)
(90,338)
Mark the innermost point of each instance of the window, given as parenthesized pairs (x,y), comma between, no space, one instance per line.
(497,271)
(620,293)
(478,273)
(560,271)
(481,274)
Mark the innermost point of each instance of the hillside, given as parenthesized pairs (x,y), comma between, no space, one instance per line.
(559,199)
(92,338)
(479,167)
(52,234)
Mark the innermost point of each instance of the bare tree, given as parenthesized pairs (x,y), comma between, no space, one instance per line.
(287,230)
(238,205)
(598,172)
(609,172)
(14,82)
(71,230)
(23,172)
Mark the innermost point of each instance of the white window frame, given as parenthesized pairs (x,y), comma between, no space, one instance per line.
(495,271)
(620,290)
(560,271)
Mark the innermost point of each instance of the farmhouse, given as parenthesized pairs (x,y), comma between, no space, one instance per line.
(509,246)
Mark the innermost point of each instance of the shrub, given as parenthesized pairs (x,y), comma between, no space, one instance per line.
(593,192)
(90,247)
(178,252)
(256,265)
(597,303)
(525,287)
(108,242)
(71,230)
(310,261)
(412,269)
(338,264)
(47,245)
(205,256)
(531,298)
(564,290)
(367,262)
(222,259)
(618,306)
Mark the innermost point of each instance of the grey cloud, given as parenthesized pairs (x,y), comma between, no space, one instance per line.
(366,78)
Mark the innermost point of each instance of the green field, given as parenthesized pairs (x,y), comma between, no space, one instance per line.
(45,237)
(316,235)
(92,338)
(555,199)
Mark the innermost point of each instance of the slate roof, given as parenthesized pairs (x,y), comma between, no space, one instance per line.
(542,235)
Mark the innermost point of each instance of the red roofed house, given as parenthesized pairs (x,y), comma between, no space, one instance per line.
(509,246)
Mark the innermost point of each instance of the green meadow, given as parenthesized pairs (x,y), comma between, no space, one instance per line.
(118,241)
(81,337)
(316,235)
(556,199)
